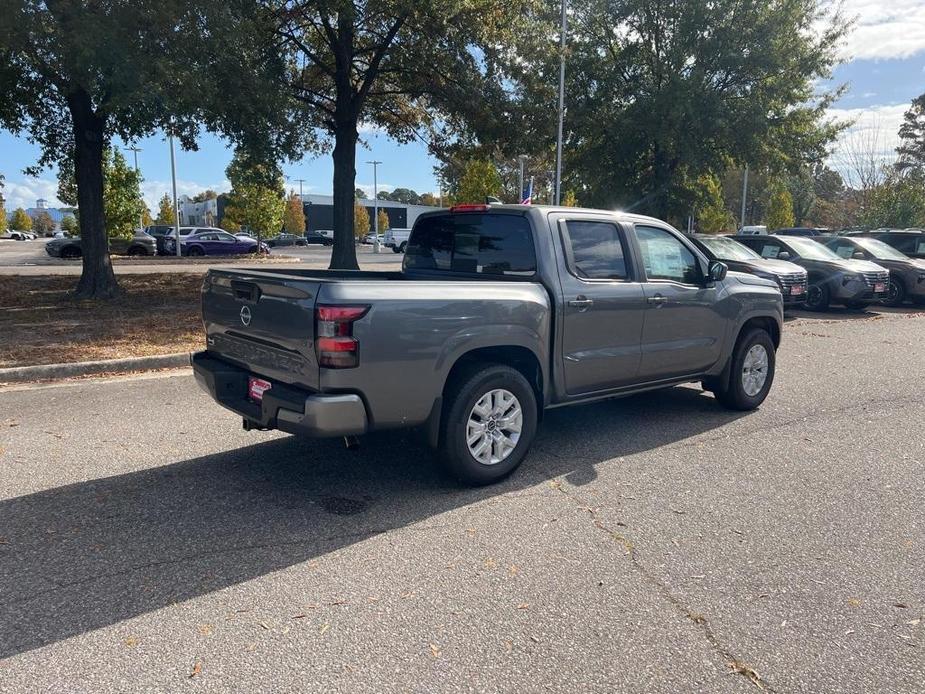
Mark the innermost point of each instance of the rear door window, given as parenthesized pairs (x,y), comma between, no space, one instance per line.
(594,250)
(486,244)
(843,250)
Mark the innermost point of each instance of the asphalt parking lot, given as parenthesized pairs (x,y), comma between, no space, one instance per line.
(652,544)
(30,258)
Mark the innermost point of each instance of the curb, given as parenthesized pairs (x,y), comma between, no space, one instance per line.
(44,372)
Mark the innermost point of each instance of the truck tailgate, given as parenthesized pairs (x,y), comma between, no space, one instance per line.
(263,322)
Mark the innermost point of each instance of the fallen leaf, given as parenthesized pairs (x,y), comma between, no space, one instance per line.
(206,629)
(131,641)
(489,563)
(513,570)
(324,628)
(854,602)
(434,651)
(523,606)
(197,668)
(913,622)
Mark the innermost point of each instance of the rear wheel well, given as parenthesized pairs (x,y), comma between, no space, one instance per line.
(519,358)
(769,325)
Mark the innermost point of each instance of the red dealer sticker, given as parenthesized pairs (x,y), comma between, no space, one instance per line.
(256,387)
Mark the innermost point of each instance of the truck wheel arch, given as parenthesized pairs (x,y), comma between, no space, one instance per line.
(523,359)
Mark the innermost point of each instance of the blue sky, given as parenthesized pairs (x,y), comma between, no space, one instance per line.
(885,72)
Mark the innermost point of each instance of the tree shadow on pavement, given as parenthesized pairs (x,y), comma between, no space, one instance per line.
(89,555)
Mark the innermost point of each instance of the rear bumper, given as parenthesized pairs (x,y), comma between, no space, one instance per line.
(283,407)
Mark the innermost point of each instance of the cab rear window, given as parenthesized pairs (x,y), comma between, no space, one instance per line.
(487,244)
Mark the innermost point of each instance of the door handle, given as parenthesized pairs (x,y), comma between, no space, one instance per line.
(658,299)
(582,303)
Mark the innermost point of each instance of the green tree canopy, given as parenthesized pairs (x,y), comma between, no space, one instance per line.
(780,209)
(73,75)
(121,195)
(165,212)
(911,149)
(69,223)
(20,221)
(256,199)
(710,209)
(899,203)
(479,181)
(659,93)
(405,67)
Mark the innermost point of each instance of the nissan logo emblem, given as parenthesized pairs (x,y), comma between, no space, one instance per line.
(245,315)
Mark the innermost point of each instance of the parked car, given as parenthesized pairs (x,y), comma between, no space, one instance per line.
(162,232)
(16,236)
(370,239)
(790,278)
(910,242)
(753,230)
(396,239)
(907,275)
(313,237)
(286,240)
(214,243)
(140,244)
(802,231)
(499,312)
(832,280)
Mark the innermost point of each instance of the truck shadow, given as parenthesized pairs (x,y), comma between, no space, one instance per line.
(89,555)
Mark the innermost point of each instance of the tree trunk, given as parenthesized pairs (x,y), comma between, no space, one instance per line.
(97,280)
(344,255)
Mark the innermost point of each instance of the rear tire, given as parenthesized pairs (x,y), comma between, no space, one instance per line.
(485,405)
(195,251)
(137,251)
(402,247)
(70,253)
(751,372)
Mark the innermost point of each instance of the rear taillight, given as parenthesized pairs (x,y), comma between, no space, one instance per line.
(468,207)
(335,344)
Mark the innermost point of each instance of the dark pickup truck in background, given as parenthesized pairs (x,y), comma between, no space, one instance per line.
(499,312)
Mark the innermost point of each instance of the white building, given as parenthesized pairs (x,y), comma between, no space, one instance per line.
(203,213)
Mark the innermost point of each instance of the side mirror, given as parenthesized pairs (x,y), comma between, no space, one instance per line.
(717,271)
(858,255)
(783,255)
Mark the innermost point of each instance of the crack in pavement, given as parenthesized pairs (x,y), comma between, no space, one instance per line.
(733,662)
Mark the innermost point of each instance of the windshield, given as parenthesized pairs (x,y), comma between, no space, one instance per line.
(728,249)
(878,249)
(810,249)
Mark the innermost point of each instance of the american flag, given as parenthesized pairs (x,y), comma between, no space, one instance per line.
(527,195)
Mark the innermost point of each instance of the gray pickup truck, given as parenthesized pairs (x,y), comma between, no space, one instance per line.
(499,313)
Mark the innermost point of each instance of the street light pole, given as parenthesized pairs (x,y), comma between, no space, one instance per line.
(173,178)
(744,194)
(375,205)
(136,150)
(521,190)
(558,184)
(301,181)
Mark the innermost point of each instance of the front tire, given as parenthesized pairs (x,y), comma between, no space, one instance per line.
(751,372)
(896,292)
(489,422)
(195,252)
(817,298)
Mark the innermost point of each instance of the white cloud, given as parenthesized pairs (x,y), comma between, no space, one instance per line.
(24,192)
(368,188)
(872,138)
(894,29)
